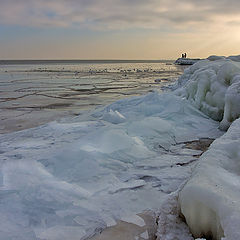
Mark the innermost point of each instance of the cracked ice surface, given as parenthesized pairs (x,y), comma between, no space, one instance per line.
(74,177)
(31,95)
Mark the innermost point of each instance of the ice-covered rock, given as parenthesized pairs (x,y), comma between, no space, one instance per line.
(235,58)
(186,61)
(214,88)
(214,58)
(210,199)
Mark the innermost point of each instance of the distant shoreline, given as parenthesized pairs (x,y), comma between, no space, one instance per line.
(108,61)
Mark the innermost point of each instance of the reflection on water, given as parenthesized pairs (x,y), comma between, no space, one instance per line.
(33,94)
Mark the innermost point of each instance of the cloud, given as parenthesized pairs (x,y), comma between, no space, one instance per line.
(116,14)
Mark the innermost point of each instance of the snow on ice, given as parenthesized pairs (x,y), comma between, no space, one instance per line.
(214,88)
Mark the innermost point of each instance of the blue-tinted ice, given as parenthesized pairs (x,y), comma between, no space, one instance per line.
(70,178)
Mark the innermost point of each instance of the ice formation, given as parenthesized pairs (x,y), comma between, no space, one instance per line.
(186,61)
(235,58)
(72,178)
(214,88)
(210,200)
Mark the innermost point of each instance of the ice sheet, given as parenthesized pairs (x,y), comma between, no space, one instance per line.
(76,176)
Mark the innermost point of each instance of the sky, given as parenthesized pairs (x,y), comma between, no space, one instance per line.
(118,29)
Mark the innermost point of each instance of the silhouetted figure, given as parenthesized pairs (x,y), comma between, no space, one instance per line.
(182,55)
(185,55)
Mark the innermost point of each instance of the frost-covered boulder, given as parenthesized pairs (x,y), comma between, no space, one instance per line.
(210,201)
(214,58)
(214,88)
(186,61)
(235,58)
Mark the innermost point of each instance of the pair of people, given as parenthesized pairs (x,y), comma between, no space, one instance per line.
(184,55)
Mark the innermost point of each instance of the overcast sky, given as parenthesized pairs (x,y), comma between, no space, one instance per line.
(118,29)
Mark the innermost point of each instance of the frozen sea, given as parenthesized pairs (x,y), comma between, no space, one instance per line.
(117,145)
(35,92)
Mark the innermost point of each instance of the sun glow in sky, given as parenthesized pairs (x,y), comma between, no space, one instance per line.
(118,29)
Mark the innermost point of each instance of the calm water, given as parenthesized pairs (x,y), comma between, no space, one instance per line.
(36,92)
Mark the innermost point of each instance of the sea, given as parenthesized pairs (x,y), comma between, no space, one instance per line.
(34,92)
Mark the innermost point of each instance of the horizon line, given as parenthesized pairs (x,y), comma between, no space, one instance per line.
(12,61)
